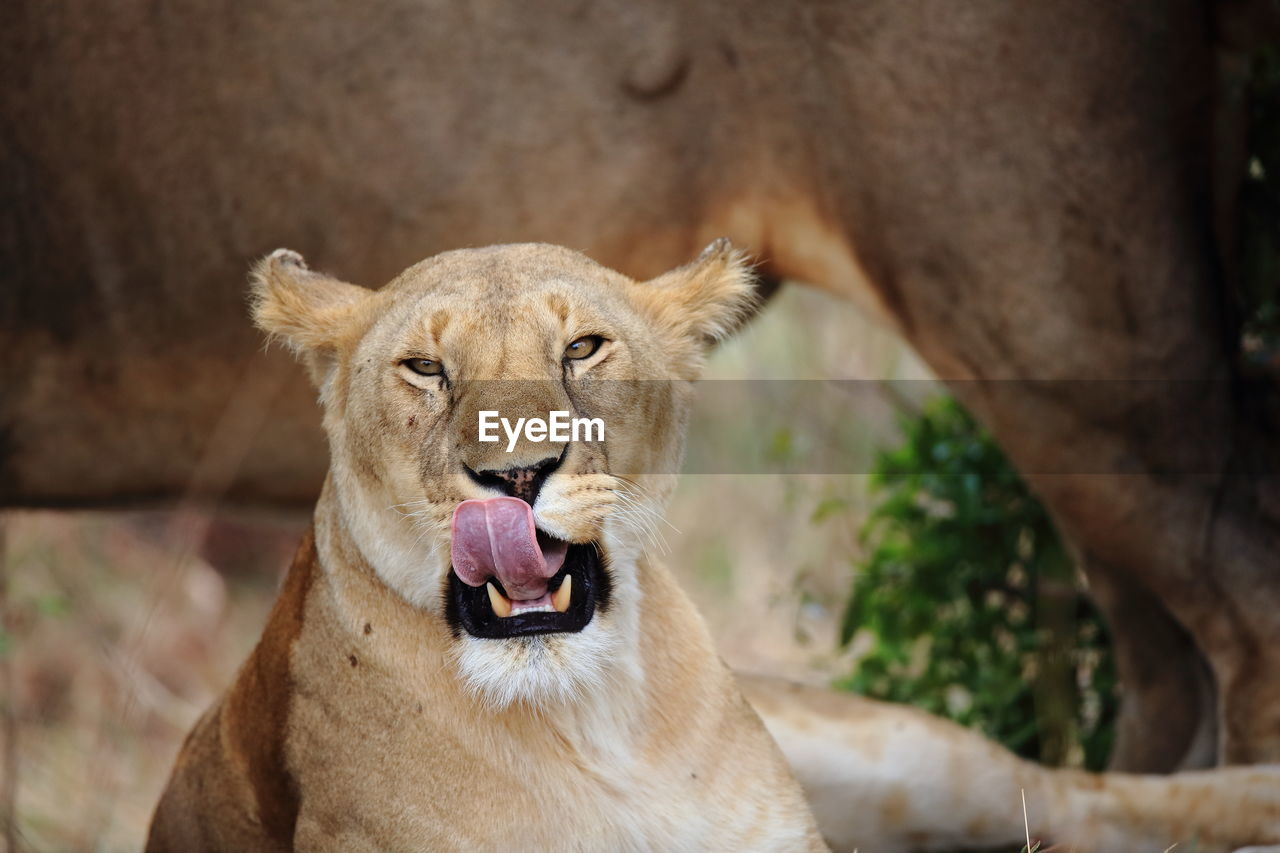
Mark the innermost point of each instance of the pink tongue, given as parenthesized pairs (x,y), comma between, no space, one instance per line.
(496,537)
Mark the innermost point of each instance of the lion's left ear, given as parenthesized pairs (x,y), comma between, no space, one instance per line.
(708,299)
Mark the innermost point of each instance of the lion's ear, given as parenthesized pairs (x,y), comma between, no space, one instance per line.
(708,299)
(306,310)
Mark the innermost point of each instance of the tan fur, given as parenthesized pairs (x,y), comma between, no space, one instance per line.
(361,722)
(356,723)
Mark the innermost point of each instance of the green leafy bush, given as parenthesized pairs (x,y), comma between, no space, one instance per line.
(966,603)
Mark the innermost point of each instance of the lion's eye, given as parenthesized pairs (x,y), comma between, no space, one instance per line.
(583,347)
(424,366)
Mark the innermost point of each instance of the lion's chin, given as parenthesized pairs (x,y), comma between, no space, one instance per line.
(540,670)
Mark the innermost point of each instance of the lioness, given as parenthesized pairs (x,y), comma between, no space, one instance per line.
(474,650)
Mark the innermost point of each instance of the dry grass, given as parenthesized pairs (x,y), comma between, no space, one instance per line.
(121,631)
(119,639)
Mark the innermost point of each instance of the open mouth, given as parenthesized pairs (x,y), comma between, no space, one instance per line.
(510,579)
(573,595)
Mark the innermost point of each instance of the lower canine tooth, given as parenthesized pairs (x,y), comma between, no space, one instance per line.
(501,606)
(560,598)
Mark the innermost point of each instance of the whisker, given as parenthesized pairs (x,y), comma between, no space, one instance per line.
(643,514)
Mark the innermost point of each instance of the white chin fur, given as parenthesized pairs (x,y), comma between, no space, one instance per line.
(540,671)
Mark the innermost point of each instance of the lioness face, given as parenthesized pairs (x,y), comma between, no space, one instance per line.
(527,545)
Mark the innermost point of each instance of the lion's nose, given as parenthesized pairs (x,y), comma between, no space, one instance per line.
(523,483)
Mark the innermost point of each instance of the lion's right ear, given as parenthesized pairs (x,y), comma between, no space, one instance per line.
(706,300)
(306,310)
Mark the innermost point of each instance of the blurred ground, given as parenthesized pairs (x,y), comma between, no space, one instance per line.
(120,631)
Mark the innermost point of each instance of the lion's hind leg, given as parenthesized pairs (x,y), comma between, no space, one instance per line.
(890,778)
(886,777)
